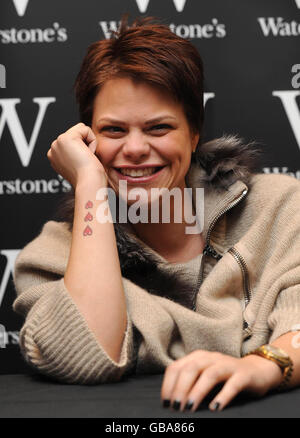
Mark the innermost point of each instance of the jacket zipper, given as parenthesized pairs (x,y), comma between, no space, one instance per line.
(238,257)
(247,291)
(209,250)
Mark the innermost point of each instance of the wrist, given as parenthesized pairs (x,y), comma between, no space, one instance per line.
(278,357)
(91,179)
(270,370)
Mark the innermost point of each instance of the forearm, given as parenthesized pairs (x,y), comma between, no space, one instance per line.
(288,342)
(93,274)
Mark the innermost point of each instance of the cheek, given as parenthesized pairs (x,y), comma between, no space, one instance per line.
(171,148)
(105,150)
(177,152)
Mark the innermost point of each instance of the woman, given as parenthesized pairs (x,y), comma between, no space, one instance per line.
(105,299)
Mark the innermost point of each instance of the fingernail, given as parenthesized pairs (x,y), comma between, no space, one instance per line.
(189,404)
(166,403)
(215,406)
(176,405)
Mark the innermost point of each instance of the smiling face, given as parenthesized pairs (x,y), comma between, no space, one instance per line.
(137,125)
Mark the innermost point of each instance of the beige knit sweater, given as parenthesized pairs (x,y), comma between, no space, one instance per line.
(249,291)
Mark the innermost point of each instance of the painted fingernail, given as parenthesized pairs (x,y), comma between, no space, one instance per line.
(189,405)
(166,403)
(176,405)
(215,406)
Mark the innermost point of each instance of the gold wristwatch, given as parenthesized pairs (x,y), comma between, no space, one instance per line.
(278,356)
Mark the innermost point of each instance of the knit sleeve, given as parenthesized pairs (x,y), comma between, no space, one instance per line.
(55,338)
(284,259)
(285,316)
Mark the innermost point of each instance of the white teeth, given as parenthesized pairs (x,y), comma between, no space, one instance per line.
(138,172)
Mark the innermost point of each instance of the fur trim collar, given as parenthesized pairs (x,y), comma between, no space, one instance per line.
(225,160)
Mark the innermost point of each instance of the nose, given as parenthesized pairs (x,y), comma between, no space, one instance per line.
(136,146)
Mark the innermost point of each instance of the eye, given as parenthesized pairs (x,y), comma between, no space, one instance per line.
(112,129)
(161,127)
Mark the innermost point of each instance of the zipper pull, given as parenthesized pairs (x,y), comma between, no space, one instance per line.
(247,332)
(209,250)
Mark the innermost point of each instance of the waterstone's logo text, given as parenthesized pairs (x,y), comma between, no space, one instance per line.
(206,31)
(51,34)
(278,27)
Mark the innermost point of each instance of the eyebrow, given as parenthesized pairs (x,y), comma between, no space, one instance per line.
(148,122)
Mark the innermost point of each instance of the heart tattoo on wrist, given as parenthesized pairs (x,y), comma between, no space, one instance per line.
(89,217)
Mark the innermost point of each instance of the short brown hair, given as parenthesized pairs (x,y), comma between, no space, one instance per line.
(149,52)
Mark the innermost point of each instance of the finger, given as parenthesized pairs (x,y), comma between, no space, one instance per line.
(89,136)
(208,379)
(85,131)
(51,155)
(185,380)
(93,145)
(52,146)
(235,384)
(181,374)
(169,381)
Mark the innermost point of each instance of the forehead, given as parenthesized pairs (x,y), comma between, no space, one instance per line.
(124,98)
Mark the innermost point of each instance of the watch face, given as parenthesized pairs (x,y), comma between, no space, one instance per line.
(276,351)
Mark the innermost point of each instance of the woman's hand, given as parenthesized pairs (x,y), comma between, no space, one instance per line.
(191,378)
(72,154)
